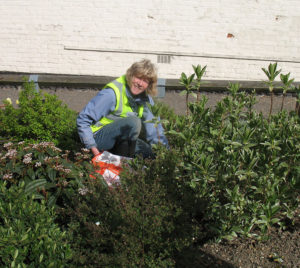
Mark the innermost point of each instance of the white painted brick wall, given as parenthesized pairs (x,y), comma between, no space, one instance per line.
(34,35)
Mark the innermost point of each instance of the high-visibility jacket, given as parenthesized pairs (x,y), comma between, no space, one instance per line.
(122,109)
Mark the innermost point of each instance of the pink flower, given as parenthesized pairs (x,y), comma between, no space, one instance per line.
(27,158)
(7,176)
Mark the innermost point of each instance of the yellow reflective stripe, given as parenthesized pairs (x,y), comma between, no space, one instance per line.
(104,121)
(117,92)
(126,108)
(122,79)
(95,128)
(140,111)
(125,103)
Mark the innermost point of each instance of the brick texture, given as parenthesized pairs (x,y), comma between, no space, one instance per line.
(234,38)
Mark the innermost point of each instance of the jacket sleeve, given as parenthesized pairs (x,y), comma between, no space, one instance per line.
(153,135)
(99,106)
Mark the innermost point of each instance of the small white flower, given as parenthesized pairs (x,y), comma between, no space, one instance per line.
(38,164)
(97,223)
(59,167)
(47,159)
(83,191)
(35,146)
(56,149)
(7,145)
(84,150)
(67,170)
(27,158)
(11,153)
(7,176)
(27,155)
(9,100)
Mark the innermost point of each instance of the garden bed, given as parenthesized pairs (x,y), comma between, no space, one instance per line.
(281,250)
(231,175)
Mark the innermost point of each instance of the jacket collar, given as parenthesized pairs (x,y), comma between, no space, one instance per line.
(139,99)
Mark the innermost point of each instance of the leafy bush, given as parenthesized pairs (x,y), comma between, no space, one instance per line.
(229,172)
(39,117)
(28,235)
(245,168)
(143,223)
(48,172)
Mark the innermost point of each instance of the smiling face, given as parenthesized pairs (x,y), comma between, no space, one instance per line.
(138,85)
(141,77)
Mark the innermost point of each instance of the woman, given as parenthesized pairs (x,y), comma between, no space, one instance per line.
(114,120)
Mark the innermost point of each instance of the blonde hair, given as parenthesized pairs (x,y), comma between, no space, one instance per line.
(144,69)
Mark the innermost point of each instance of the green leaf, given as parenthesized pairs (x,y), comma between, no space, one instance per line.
(183,92)
(266,72)
(193,184)
(236,144)
(275,220)
(51,173)
(31,173)
(194,95)
(183,76)
(52,199)
(24,237)
(32,186)
(275,208)
(16,254)
(190,79)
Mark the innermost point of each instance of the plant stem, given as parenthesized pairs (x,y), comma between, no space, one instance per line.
(271,106)
(198,96)
(297,108)
(187,104)
(283,97)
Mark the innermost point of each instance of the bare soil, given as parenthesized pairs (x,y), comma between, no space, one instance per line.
(283,247)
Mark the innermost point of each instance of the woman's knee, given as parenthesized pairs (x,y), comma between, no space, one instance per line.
(130,127)
(135,125)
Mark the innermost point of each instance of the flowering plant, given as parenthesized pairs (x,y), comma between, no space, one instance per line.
(46,170)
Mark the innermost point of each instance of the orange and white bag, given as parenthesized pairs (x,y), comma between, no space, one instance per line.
(109,166)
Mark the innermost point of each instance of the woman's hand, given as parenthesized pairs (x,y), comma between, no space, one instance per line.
(95,151)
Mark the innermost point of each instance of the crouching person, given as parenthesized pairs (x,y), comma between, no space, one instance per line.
(114,120)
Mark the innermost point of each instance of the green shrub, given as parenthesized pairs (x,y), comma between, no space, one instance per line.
(143,223)
(229,172)
(39,117)
(244,167)
(48,172)
(163,110)
(28,235)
